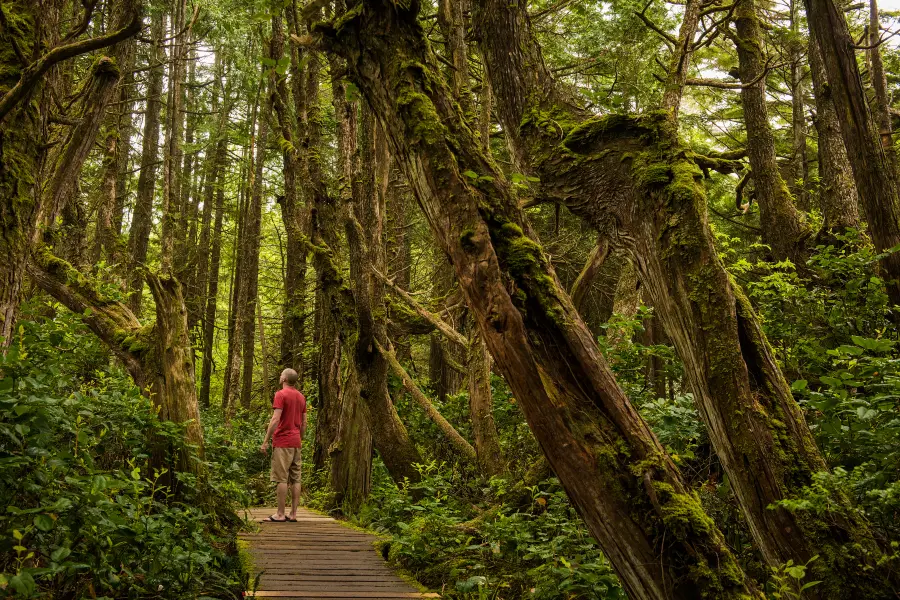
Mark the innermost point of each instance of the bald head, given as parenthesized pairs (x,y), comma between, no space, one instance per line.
(289,376)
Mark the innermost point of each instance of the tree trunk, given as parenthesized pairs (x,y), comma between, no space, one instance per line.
(784,228)
(589,273)
(882,104)
(158,357)
(837,191)
(363,223)
(212,295)
(447,429)
(99,91)
(293,321)
(172,156)
(800,160)
(19,151)
(251,243)
(629,178)
(873,169)
(612,466)
(481,409)
(142,218)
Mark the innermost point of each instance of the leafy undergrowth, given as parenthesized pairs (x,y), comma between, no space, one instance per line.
(83,514)
(488,540)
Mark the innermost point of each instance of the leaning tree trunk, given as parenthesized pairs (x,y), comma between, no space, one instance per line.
(783,227)
(873,169)
(159,357)
(837,191)
(630,178)
(616,472)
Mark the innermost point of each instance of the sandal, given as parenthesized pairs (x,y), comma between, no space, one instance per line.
(290,520)
(272,519)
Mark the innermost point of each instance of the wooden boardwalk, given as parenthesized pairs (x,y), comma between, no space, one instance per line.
(319,558)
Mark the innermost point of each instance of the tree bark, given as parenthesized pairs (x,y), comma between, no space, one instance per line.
(612,466)
(212,295)
(873,169)
(293,320)
(629,177)
(784,228)
(363,224)
(172,156)
(800,159)
(481,409)
(142,218)
(882,104)
(158,357)
(19,151)
(250,267)
(837,191)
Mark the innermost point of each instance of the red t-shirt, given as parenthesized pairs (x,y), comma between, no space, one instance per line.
(293,407)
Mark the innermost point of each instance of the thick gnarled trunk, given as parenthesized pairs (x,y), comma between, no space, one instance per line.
(612,466)
(629,177)
(158,357)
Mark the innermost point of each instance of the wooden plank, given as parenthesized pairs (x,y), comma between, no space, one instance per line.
(283,594)
(317,557)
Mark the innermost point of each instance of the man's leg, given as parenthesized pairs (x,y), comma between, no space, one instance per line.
(295,474)
(295,499)
(281,492)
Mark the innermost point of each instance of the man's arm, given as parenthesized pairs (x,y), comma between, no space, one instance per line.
(303,427)
(273,424)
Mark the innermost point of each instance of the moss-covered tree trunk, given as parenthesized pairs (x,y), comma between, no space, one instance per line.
(632,497)
(631,179)
(837,190)
(363,213)
(142,217)
(159,356)
(481,409)
(784,228)
(873,169)
(19,140)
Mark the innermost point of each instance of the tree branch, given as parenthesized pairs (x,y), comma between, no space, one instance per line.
(33,73)
(450,432)
(449,332)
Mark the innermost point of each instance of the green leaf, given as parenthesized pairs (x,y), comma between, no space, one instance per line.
(831,381)
(471,174)
(866,414)
(799,385)
(23,583)
(60,554)
(43,522)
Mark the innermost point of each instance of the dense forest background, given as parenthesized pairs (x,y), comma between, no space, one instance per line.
(589,299)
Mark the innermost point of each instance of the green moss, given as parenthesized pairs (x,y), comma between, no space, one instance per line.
(466,240)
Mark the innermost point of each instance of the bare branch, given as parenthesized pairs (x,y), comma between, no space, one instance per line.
(441,325)
(668,37)
(422,400)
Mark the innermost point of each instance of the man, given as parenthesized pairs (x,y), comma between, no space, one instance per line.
(286,428)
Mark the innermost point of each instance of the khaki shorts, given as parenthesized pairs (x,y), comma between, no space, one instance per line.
(286,465)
